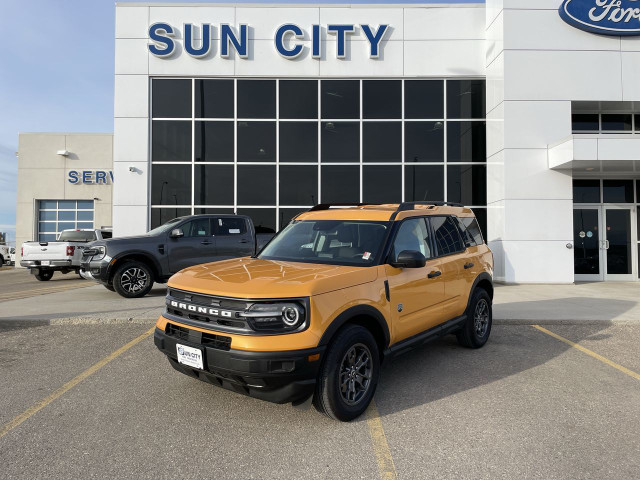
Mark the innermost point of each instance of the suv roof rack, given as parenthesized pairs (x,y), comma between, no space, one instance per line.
(327,206)
(411,205)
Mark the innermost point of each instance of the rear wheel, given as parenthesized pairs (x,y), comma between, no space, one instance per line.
(476,330)
(133,279)
(44,275)
(349,374)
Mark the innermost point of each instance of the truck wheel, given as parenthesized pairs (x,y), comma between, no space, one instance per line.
(1,260)
(133,279)
(44,275)
(476,330)
(349,374)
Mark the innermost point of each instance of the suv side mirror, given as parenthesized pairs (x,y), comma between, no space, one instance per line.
(410,259)
(176,233)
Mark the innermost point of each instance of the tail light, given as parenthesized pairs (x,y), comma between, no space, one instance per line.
(22,251)
(70,250)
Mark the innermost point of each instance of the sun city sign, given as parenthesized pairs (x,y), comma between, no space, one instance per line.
(286,39)
(605,17)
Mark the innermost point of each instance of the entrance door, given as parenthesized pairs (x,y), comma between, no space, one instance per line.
(603,239)
(618,243)
(588,262)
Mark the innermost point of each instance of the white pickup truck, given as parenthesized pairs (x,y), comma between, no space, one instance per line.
(5,255)
(63,255)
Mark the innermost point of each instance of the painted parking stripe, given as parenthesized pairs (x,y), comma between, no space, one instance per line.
(625,370)
(31,411)
(386,467)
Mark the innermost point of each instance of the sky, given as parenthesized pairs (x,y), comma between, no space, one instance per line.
(56,74)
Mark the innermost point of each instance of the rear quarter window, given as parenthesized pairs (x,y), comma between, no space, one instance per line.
(470,231)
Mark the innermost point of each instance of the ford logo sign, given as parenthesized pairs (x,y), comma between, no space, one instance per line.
(605,17)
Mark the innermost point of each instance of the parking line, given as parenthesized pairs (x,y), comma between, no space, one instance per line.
(631,373)
(386,467)
(40,291)
(70,384)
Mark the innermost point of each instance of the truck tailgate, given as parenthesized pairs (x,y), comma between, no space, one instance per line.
(45,251)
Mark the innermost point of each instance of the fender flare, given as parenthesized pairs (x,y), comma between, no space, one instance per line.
(479,278)
(353,312)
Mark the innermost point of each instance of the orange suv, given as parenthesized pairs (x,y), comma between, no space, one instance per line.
(330,297)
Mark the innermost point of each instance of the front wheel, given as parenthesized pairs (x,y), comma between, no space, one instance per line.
(133,280)
(349,374)
(475,331)
(44,275)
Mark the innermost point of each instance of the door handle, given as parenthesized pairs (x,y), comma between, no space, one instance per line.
(243,241)
(468,265)
(206,242)
(434,274)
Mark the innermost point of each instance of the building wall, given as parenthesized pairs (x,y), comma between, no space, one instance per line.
(43,175)
(536,65)
(435,41)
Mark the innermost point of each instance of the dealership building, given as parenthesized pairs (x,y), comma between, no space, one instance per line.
(527,112)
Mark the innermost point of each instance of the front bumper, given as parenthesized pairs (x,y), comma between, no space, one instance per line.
(97,270)
(52,263)
(278,377)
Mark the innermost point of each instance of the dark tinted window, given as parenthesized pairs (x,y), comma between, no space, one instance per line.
(230,226)
(381,184)
(256,184)
(616,122)
(171,98)
(617,191)
(466,142)
(470,231)
(298,185)
(200,227)
(160,216)
(298,141)
(382,141)
(287,214)
(298,99)
(447,237)
(423,182)
(424,142)
(214,99)
(340,98)
(586,191)
(264,219)
(340,183)
(256,141)
(256,99)
(585,122)
(171,141)
(382,98)
(210,211)
(106,235)
(171,185)
(424,99)
(465,99)
(340,142)
(467,184)
(214,141)
(213,184)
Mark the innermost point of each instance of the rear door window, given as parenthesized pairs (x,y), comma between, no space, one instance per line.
(197,228)
(230,226)
(446,235)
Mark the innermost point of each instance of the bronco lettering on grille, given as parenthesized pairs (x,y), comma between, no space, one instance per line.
(204,310)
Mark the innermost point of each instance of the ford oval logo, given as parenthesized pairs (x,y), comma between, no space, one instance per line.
(605,17)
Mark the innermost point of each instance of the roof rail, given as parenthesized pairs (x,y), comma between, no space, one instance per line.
(410,205)
(327,206)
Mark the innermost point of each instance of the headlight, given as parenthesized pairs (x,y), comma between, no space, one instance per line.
(275,316)
(96,253)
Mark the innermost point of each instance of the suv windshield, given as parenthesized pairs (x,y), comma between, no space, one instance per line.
(77,236)
(336,242)
(165,227)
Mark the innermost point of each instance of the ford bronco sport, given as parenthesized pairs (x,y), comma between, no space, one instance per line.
(327,299)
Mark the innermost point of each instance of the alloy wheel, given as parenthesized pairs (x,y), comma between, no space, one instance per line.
(133,279)
(481,318)
(355,374)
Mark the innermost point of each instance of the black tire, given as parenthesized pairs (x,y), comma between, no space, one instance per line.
(329,397)
(477,328)
(111,288)
(133,279)
(1,260)
(44,275)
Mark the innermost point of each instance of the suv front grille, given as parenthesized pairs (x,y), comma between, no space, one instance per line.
(219,342)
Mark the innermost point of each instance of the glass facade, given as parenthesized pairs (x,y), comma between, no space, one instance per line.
(271,148)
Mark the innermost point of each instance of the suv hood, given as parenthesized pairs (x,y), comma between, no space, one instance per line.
(256,278)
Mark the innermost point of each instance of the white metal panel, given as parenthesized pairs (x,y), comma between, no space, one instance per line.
(535,124)
(129,220)
(527,176)
(438,23)
(131,140)
(494,39)
(365,15)
(585,148)
(264,60)
(538,219)
(619,148)
(358,64)
(630,76)
(177,16)
(182,65)
(131,56)
(131,94)
(495,130)
(533,261)
(132,22)
(444,57)
(495,177)
(131,187)
(264,21)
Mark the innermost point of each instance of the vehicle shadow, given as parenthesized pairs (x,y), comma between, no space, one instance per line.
(443,368)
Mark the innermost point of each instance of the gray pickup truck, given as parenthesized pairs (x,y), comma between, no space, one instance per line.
(130,265)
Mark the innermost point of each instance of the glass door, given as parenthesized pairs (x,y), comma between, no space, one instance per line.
(618,242)
(588,247)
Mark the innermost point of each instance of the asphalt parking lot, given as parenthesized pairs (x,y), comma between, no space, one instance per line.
(101,401)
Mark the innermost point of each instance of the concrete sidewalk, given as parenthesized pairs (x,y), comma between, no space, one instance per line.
(588,303)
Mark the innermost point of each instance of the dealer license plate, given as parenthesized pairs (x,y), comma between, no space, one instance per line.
(45,262)
(189,356)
